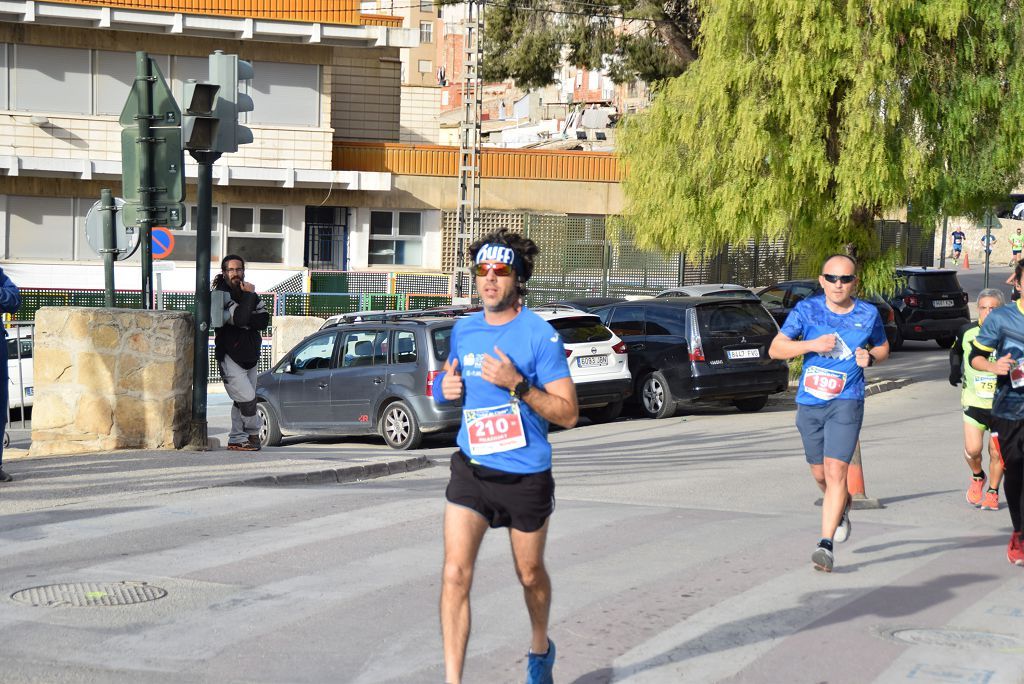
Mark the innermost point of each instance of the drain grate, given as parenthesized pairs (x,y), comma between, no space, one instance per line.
(954,638)
(84,594)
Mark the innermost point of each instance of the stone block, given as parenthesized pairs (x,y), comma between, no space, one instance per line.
(94,415)
(51,365)
(96,371)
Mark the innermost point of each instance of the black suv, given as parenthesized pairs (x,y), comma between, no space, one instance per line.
(781,298)
(698,348)
(360,378)
(929,305)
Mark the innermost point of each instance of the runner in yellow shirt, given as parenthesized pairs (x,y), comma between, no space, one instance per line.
(976,398)
(1016,245)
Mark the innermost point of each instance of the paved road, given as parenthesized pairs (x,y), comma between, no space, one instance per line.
(680,552)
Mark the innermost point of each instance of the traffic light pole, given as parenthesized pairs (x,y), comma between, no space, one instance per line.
(200,359)
(144,91)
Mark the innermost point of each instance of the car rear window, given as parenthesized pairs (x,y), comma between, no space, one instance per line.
(581,329)
(726,320)
(933,282)
(442,342)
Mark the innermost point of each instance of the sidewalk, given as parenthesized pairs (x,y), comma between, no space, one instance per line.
(63,480)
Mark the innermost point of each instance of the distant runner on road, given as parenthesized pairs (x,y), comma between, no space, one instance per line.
(1002,335)
(958,237)
(508,366)
(838,336)
(976,398)
(1016,245)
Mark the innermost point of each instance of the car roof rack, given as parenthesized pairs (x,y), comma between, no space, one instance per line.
(557,307)
(377,316)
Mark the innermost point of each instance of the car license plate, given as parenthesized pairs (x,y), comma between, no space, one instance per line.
(939,303)
(743,353)
(591,361)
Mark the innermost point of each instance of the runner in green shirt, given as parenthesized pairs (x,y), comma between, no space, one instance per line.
(1016,244)
(976,398)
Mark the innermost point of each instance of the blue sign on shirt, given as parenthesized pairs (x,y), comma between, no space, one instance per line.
(538,353)
(834,375)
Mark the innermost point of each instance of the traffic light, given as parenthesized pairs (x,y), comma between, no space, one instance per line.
(227,71)
(199,124)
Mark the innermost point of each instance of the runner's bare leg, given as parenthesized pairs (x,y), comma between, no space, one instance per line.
(528,552)
(464,529)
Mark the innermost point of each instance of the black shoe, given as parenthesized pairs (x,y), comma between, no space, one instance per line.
(5,476)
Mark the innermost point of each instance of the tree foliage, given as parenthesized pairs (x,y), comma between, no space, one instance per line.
(527,40)
(809,120)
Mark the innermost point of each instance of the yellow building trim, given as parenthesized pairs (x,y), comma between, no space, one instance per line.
(344,12)
(437,160)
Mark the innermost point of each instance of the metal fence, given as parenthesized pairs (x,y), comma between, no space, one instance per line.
(579,257)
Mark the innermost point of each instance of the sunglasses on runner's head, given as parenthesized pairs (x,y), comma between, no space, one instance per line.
(844,279)
(499,269)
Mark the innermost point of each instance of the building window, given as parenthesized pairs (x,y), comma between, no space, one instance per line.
(256,234)
(368,6)
(50,79)
(285,94)
(396,238)
(426,5)
(424,66)
(40,228)
(185,239)
(426,33)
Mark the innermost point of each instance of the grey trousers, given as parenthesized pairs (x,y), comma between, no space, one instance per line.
(241,388)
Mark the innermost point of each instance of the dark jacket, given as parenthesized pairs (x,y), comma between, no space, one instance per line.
(240,337)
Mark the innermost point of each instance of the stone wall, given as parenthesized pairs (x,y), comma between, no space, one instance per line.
(289,331)
(111,379)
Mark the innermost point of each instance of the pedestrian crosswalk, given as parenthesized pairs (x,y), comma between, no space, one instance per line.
(340,583)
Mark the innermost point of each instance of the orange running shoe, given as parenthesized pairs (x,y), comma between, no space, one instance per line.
(976,491)
(991,500)
(1015,550)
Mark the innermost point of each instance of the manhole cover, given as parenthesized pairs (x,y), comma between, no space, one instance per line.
(80,594)
(954,638)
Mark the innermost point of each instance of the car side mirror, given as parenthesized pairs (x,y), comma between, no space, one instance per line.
(288,367)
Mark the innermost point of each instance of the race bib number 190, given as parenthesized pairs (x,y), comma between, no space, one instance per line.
(494,429)
(824,383)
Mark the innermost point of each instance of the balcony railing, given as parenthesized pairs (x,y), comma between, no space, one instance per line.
(437,160)
(308,11)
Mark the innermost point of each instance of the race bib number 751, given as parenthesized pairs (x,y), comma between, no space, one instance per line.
(824,383)
(494,429)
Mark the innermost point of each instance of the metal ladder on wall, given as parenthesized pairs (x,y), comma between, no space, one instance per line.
(469,145)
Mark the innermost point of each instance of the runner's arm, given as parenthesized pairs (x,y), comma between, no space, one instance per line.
(556,403)
(785,348)
(956,360)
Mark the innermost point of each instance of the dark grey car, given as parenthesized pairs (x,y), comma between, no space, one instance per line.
(360,378)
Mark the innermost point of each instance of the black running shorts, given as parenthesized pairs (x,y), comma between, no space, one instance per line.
(522,502)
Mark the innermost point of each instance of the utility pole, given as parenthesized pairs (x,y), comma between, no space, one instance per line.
(989,215)
(469,145)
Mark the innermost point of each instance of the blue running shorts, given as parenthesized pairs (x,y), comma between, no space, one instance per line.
(830,429)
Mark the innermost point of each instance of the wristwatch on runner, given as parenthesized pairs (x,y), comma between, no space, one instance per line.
(521,388)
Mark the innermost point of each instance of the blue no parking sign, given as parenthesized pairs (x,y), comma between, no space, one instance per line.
(163,243)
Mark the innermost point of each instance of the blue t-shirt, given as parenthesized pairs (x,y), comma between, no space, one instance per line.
(1003,333)
(537,351)
(958,237)
(835,375)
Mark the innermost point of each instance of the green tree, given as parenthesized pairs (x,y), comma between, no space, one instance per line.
(809,120)
(527,40)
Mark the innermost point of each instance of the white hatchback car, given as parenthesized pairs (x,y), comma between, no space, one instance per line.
(19,374)
(597,361)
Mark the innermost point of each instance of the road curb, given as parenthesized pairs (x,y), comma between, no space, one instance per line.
(358,473)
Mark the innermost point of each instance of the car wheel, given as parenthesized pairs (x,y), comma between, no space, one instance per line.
(897,339)
(399,427)
(945,342)
(752,404)
(604,414)
(656,400)
(270,428)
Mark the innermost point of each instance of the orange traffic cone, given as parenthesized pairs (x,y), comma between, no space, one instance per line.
(967,261)
(855,484)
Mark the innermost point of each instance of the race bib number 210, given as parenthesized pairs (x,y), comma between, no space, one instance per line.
(494,429)
(824,383)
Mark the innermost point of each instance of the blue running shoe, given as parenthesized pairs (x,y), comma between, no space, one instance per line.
(539,667)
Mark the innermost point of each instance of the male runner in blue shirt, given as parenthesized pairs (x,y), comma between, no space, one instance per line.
(833,332)
(508,366)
